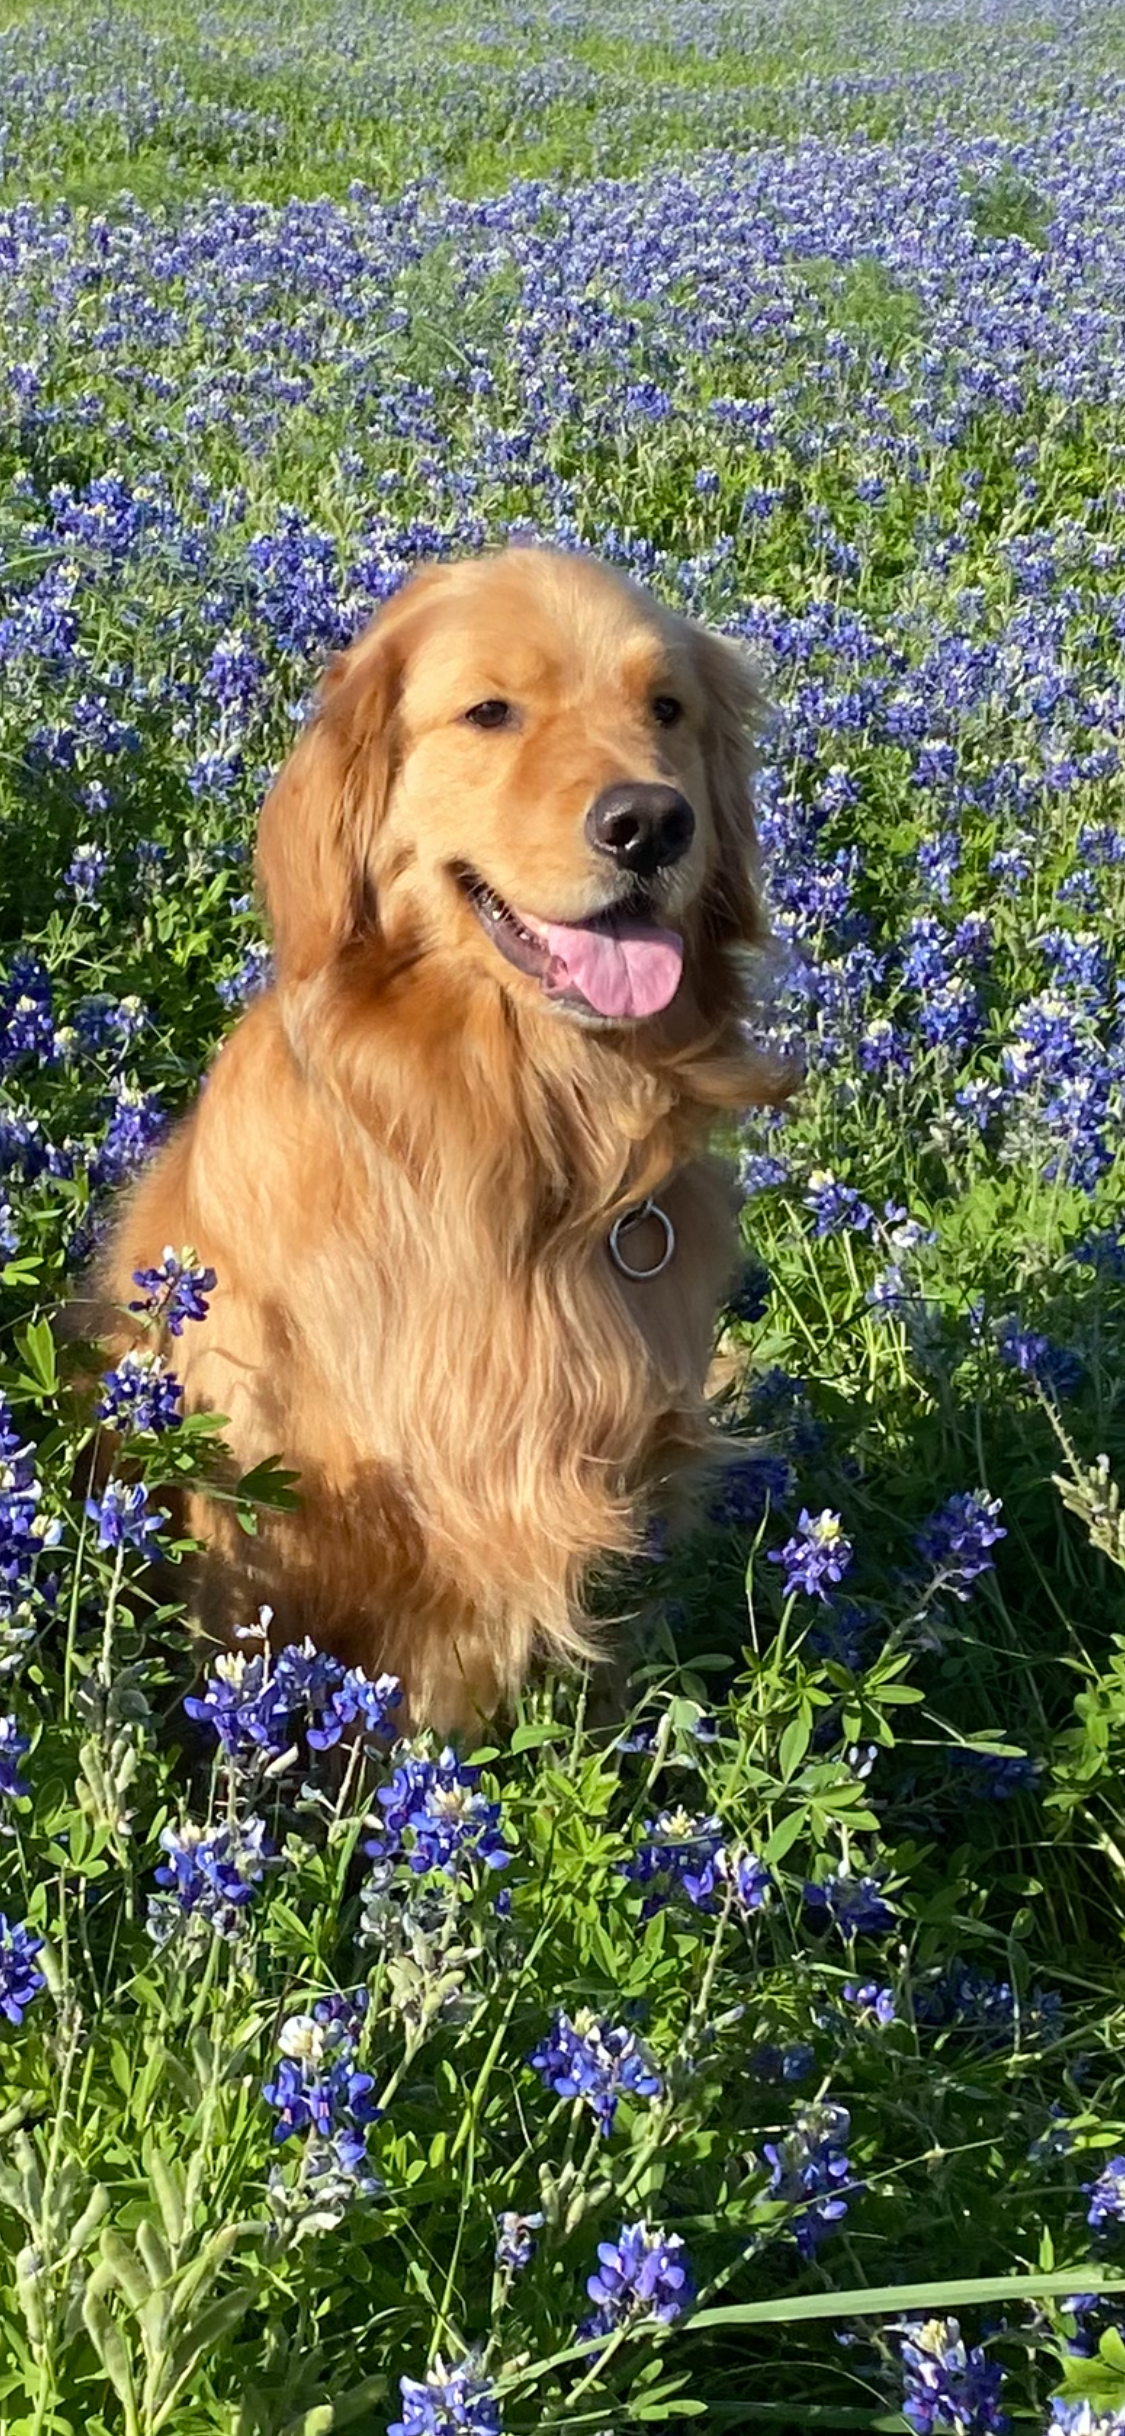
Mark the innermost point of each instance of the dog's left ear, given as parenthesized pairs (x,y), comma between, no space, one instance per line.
(736,713)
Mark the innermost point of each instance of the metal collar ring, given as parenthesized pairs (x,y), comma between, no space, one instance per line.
(645,1209)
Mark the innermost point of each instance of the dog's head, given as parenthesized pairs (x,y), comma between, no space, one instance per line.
(526,764)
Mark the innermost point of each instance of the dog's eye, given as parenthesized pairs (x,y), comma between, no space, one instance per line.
(489,714)
(666,710)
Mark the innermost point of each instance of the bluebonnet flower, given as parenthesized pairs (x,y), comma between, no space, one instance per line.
(150,858)
(881,1047)
(9,1231)
(760,1171)
(1055,2140)
(232,1704)
(448,2402)
(1052,1367)
(966,1997)
(778,1401)
(871,2002)
(234,673)
(585,2059)
(855,1906)
(434,1818)
(103,1024)
(87,869)
(211,1874)
(949,1017)
(771,2063)
(810,2169)
(894,1290)
(816,1553)
(677,1854)
(13,1745)
(641,1737)
(995,1776)
(299,1681)
(257,1705)
(359,1700)
(317,2088)
(141,1394)
(25,1530)
(747,1489)
(1104,1252)
(20,1980)
(956,1540)
(136,1122)
(751,1881)
(214,774)
(27,1022)
(645,2273)
(654,1546)
(253,975)
(749,1298)
(123,1518)
(174,1292)
(515,2240)
(1107,2195)
(1074,2418)
(837,1208)
(949,2390)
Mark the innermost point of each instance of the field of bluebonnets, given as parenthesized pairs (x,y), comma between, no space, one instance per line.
(759,2058)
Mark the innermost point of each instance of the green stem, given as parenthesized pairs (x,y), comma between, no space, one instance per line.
(70,1653)
(110,1617)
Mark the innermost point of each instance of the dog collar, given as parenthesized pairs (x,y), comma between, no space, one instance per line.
(647,1208)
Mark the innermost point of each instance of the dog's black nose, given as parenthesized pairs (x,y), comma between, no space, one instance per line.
(643,827)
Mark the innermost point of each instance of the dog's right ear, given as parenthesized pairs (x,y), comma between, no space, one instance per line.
(320,821)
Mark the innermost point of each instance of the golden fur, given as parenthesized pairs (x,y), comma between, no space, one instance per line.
(406,1161)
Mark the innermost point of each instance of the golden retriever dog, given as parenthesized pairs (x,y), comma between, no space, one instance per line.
(451,1169)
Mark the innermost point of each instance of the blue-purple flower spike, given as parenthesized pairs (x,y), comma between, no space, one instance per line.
(174,1291)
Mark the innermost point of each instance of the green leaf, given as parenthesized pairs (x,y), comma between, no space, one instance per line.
(794,1744)
(38,1350)
(110,2346)
(532,1737)
(326,2417)
(125,2268)
(268,1484)
(784,1836)
(889,2300)
(894,2300)
(154,2252)
(166,2181)
(209,2329)
(197,2279)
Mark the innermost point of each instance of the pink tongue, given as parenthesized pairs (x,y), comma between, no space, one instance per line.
(628,969)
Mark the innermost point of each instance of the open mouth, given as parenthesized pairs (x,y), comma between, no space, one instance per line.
(618,963)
